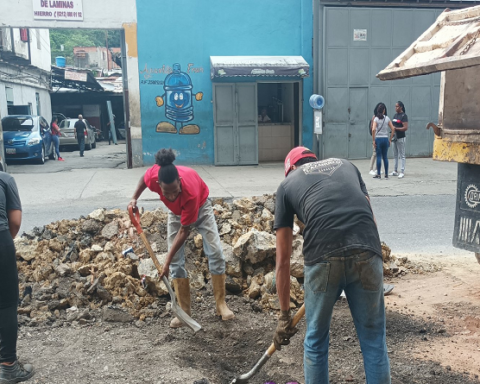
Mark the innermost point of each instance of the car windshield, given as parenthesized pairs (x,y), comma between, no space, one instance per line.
(18,123)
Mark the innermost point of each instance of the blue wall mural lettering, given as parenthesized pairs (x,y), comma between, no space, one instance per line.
(178,100)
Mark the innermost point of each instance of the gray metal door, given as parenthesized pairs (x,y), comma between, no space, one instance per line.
(358,43)
(235,119)
(357,140)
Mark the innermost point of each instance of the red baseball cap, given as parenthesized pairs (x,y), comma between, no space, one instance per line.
(296,154)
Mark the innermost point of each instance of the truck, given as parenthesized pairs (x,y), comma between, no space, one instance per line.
(451,45)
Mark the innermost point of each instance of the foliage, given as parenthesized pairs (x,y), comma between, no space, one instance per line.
(71,38)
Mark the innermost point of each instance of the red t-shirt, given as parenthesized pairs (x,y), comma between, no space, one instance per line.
(193,196)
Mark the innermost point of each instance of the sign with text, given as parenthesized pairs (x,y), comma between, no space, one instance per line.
(64,10)
(76,76)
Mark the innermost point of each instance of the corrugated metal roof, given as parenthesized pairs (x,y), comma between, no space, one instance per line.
(452,42)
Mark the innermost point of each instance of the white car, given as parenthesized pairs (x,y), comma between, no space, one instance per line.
(67,134)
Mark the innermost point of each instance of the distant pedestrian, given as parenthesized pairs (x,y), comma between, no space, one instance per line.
(381,138)
(56,137)
(11,370)
(373,159)
(80,133)
(400,122)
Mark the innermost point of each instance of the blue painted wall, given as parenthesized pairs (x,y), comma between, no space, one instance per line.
(188,32)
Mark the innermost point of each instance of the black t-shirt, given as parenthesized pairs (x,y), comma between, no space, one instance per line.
(9,198)
(80,127)
(397,122)
(329,197)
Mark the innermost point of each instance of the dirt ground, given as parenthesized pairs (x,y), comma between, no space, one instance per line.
(433,336)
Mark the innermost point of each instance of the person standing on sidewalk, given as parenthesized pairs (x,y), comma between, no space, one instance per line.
(56,137)
(373,159)
(342,252)
(11,370)
(400,123)
(80,133)
(186,196)
(381,138)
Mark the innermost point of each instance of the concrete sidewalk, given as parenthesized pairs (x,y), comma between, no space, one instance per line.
(113,186)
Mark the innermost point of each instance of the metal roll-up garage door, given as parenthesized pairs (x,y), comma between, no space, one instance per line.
(357,44)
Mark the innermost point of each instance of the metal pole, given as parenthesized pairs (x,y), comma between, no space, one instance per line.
(126,104)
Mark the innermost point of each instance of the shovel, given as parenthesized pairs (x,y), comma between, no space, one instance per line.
(177,310)
(243,379)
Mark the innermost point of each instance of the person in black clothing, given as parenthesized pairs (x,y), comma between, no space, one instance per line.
(80,131)
(11,370)
(342,252)
(400,122)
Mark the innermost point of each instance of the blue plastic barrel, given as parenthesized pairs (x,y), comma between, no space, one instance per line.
(317,101)
(60,61)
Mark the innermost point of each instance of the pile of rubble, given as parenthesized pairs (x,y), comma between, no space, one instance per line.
(78,270)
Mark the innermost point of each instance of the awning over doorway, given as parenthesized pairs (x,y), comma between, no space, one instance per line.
(254,66)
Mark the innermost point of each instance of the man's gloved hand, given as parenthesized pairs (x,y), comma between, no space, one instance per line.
(284,330)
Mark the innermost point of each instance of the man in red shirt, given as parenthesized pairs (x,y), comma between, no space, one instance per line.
(186,196)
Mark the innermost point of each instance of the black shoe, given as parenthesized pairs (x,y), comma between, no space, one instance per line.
(15,373)
(377,177)
(82,156)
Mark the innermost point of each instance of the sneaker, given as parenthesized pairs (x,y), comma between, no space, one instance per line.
(377,177)
(15,373)
(386,177)
(393,173)
(372,172)
(60,159)
(401,175)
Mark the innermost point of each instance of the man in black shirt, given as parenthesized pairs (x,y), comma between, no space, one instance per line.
(11,370)
(342,253)
(80,132)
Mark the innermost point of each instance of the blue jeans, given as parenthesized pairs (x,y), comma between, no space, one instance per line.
(382,151)
(81,144)
(361,277)
(207,227)
(56,143)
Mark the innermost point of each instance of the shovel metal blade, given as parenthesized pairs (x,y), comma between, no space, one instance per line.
(179,312)
(244,379)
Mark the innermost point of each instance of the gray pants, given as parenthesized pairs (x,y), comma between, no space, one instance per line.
(399,153)
(207,226)
(373,160)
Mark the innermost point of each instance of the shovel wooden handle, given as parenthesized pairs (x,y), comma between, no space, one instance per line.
(296,318)
(135,219)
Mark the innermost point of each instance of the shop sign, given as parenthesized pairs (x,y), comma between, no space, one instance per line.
(76,76)
(69,10)
(359,35)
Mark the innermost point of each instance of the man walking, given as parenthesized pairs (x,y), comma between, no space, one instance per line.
(342,252)
(80,133)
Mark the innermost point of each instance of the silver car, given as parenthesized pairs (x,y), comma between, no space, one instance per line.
(67,134)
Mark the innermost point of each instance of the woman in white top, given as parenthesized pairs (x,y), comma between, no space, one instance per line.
(382,138)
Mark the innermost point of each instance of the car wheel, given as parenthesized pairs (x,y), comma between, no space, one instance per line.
(94,145)
(53,154)
(41,160)
(88,146)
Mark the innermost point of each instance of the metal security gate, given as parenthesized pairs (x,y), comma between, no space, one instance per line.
(357,44)
(235,119)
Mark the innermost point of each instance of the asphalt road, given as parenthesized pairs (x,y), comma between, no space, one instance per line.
(414,215)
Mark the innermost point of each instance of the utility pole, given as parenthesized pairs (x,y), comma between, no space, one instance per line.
(108,57)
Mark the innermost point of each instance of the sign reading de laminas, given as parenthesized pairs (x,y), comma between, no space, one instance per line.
(65,10)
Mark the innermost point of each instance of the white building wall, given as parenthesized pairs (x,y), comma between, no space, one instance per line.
(40,48)
(25,95)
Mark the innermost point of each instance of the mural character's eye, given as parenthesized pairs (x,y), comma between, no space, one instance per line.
(181,96)
(175,97)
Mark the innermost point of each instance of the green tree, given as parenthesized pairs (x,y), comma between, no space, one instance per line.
(71,38)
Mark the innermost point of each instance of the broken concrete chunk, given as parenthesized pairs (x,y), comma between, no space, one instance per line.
(233,264)
(98,214)
(198,241)
(96,248)
(110,230)
(25,248)
(255,246)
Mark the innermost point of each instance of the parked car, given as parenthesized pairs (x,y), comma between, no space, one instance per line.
(24,138)
(3,164)
(67,130)
(60,117)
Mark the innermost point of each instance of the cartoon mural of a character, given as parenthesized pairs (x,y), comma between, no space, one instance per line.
(178,103)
